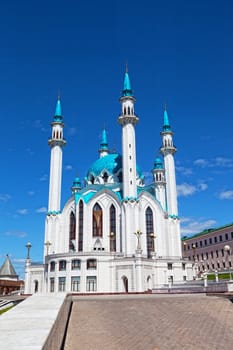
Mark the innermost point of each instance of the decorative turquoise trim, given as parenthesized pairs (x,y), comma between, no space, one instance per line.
(54,212)
(173,216)
(130,199)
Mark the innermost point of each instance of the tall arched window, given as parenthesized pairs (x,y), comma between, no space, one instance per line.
(72,232)
(149,231)
(80,227)
(112,233)
(97,221)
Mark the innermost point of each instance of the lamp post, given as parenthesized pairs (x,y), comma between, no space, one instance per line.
(112,241)
(28,246)
(47,244)
(194,259)
(227,249)
(184,248)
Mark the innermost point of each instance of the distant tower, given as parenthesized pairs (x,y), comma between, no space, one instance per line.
(159,180)
(128,120)
(104,150)
(168,150)
(56,143)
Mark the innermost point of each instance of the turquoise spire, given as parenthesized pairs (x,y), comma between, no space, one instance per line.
(58,112)
(76,185)
(104,142)
(104,150)
(127,86)
(166,124)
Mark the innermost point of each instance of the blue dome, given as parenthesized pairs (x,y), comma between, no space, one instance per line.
(112,163)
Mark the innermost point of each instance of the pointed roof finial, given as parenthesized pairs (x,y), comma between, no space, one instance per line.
(166,124)
(103,150)
(58,111)
(127,91)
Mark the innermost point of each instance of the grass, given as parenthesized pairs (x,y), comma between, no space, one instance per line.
(6,309)
(221,276)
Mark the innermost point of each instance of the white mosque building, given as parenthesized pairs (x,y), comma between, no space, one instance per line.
(115,234)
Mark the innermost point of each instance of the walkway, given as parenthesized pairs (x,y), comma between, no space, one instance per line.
(150,322)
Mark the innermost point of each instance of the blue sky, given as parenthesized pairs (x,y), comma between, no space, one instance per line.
(178,52)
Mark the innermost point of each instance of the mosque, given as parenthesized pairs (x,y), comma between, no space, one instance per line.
(115,234)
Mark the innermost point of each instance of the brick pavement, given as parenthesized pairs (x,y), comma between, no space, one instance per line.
(150,322)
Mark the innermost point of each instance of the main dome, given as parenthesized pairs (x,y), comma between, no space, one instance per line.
(108,166)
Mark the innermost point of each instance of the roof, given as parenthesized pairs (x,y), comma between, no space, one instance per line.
(7,269)
(206,232)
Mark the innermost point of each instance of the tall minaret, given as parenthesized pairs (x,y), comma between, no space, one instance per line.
(56,143)
(168,150)
(159,180)
(128,120)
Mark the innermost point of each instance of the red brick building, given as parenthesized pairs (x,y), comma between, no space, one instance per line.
(210,250)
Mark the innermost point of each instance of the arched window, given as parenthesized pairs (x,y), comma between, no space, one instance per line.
(128,110)
(120,176)
(149,231)
(72,232)
(62,265)
(105,177)
(112,233)
(97,221)
(80,227)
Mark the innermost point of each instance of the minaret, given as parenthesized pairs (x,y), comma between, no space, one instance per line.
(168,150)
(128,119)
(159,180)
(104,150)
(56,143)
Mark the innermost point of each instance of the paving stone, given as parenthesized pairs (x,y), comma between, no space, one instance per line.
(150,322)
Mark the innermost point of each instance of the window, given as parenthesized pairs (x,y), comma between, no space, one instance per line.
(75,264)
(188,247)
(196,244)
(149,232)
(202,256)
(112,228)
(61,284)
(200,243)
(210,240)
(52,266)
(80,227)
(205,241)
(72,232)
(52,284)
(62,265)
(212,254)
(224,264)
(91,264)
(226,236)
(220,238)
(229,263)
(217,253)
(169,266)
(231,234)
(207,255)
(215,240)
(222,252)
(91,283)
(183,266)
(218,265)
(75,283)
(213,266)
(97,221)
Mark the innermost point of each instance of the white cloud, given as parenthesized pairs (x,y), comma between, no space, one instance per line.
(68,167)
(44,177)
(185,189)
(22,211)
(4,197)
(41,210)
(195,226)
(226,194)
(19,234)
(201,162)
(31,193)
(184,171)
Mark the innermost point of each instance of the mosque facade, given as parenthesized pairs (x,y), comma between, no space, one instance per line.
(115,233)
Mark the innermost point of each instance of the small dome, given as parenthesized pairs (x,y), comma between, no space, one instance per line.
(158,163)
